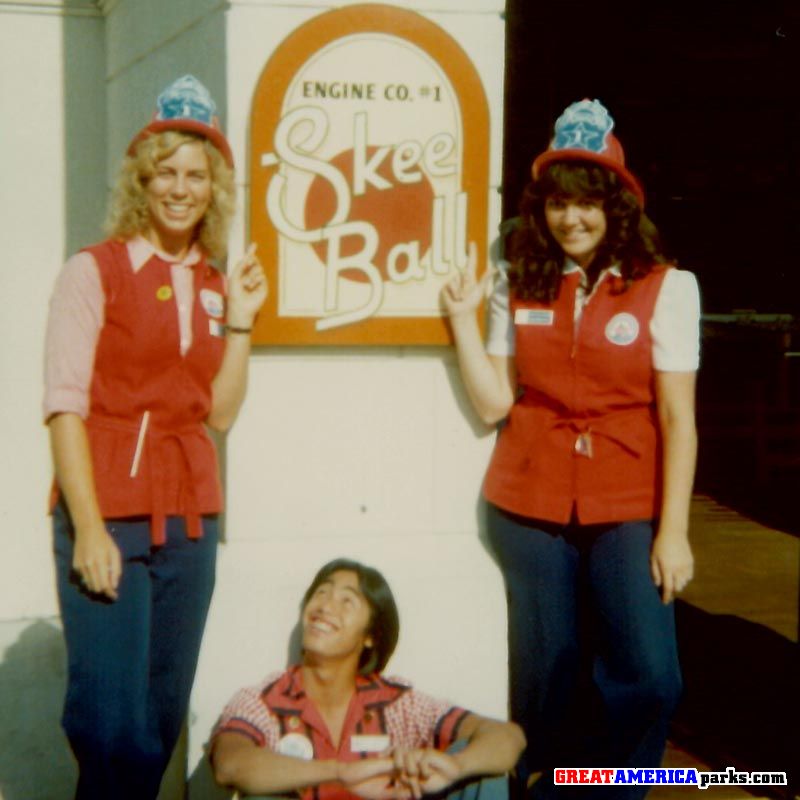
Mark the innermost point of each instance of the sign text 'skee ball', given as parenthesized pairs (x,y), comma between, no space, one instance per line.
(366,193)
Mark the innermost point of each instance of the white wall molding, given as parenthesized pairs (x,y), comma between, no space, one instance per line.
(51,8)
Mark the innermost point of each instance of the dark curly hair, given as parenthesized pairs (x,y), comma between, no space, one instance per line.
(537,260)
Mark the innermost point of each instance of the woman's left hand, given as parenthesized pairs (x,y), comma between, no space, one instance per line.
(247,290)
(671,563)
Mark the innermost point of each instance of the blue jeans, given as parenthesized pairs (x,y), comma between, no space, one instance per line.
(131,662)
(593,659)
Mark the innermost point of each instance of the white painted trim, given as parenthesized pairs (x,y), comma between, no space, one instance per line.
(56,8)
(435,7)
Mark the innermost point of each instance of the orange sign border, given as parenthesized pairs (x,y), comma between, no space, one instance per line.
(268,98)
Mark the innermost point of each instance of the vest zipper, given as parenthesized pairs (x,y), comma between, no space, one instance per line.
(576,321)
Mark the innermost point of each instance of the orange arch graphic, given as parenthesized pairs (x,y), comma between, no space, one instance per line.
(278,74)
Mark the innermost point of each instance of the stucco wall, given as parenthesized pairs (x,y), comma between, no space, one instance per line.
(367,453)
(51,196)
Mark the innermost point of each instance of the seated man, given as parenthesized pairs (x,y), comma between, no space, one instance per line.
(334,727)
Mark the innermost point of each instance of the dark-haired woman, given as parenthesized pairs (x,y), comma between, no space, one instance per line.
(591,355)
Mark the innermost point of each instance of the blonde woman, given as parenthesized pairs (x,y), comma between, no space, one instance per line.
(146,346)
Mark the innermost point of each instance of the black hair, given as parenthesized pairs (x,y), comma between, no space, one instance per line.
(384,621)
(537,260)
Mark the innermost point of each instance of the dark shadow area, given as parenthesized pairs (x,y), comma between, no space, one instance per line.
(749,455)
(706,108)
(35,760)
(741,695)
(294,649)
(85,136)
(201,785)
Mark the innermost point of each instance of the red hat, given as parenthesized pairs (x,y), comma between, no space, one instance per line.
(583,133)
(186,105)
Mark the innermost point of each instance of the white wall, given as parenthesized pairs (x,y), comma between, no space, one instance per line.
(32,154)
(53,136)
(368,453)
(52,152)
(365,453)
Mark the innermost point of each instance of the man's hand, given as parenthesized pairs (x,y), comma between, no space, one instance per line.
(373,779)
(401,774)
(425,770)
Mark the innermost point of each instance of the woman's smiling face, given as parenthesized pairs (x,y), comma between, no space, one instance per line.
(578,224)
(178,196)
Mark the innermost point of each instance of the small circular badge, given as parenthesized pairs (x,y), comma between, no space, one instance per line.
(622,329)
(212,302)
(164,292)
(297,746)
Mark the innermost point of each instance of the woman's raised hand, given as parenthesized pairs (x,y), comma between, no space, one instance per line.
(247,290)
(463,293)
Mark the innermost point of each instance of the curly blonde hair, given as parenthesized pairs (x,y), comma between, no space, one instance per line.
(128,213)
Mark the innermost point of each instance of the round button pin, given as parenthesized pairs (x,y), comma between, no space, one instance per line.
(296,745)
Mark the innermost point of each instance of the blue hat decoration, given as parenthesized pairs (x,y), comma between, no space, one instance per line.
(186,105)
(583,133)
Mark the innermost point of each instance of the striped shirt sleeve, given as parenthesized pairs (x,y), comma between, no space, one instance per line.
(419,720)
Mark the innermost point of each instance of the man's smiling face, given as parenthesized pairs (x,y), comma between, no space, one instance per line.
(336,619)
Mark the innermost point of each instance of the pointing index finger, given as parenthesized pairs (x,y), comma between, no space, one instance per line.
(472,260)
(248,260)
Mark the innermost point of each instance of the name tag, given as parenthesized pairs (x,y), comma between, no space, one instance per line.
(369,744)
(534,316)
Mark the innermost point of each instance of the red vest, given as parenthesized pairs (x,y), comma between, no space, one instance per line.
(139,368)
(583,435)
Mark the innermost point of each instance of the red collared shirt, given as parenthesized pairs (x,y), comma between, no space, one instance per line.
(278,714)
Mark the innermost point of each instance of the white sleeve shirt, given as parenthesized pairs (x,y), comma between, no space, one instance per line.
(674,328)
